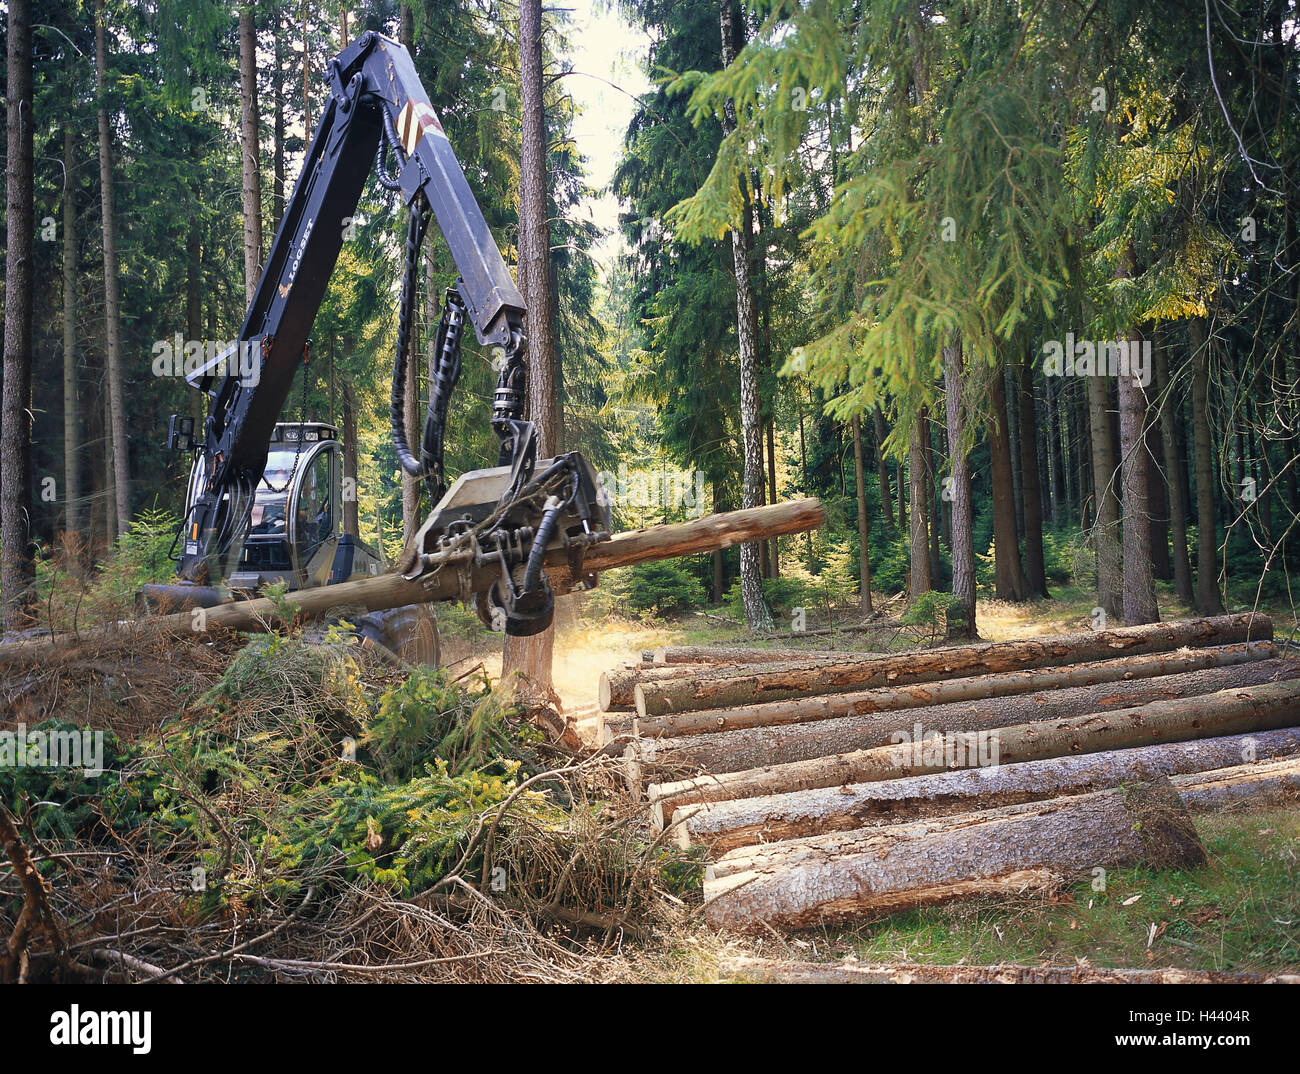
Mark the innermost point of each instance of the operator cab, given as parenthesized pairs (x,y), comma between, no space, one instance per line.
(295,525)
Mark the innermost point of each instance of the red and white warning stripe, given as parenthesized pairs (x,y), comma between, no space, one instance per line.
(417,120)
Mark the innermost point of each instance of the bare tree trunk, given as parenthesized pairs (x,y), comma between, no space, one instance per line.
(1173,476)
(757,614)
(112,290)
(1106,495)
(1031,488)
(864,549)
(110,473)
(719,571)
(277,132)
(932,503)
(74,520)
(1139,580)
(250,138)
(774,549)
(919,548)
(351,519)
(531,657)
(194,299)
(1055,444)
(306,73)
(901,485)
(1208,600)
(1162,565)
(1009,575)
(16,573)
(882,469)
(961,617)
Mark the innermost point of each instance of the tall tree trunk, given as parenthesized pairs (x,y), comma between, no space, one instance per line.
(351,518)
(961,617)
(719,573)
(774,549)
(919,553)
(1139,581)
(194,300)
(1054,444)
(531,657)
(1106,496)
(306,74)
(757,614)
(277,133)
(1031,488)
(112,291)
(901,485)
(1064,416)
(250,139)
(110,471)
(74,521)
(882,469)
(1009,575)
(1011,388)
(1173,476)
(932,502)
(1208,601)
(1162,565)
(16,573)
(864,549)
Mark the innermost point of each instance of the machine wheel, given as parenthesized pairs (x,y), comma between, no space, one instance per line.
(410,631)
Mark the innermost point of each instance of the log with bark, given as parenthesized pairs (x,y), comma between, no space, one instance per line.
(393,591)
(973,689)
(929,750)
(724,826)
(883,870)
(1197,790)
(969,688)
(746,686)
(766,970)
(733,654)
(754,747)
(1246,786)
(614,692)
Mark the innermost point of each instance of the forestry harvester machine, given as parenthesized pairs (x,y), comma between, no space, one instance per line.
(264,499)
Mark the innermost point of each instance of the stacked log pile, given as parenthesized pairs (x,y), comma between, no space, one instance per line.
(831,785)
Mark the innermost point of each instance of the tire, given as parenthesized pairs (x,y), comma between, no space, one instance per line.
(410,631)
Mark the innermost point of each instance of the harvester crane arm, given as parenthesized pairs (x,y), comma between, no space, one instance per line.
(377,107)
